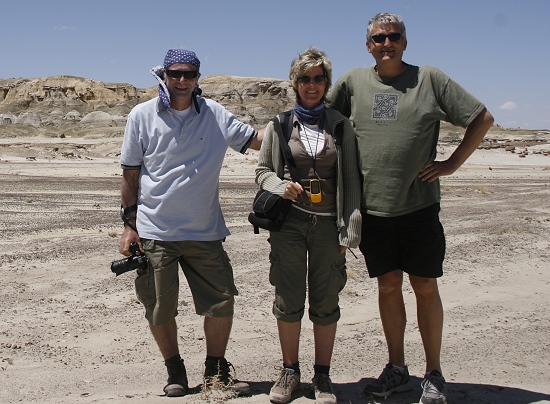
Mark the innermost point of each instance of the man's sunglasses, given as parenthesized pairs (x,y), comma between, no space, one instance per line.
(381,38)
(317,79)
(177,74)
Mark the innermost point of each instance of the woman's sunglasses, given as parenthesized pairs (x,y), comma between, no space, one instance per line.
(317,79)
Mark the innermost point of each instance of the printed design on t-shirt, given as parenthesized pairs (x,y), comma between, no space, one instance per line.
(385,106)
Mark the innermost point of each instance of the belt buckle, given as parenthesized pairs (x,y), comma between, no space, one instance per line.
(314,219)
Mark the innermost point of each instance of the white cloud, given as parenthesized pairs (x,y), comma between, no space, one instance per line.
(508,105)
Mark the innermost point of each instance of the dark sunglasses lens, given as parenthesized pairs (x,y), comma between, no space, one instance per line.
(381,38)
(317,79)
(395,36)
(178,74)
(191,74)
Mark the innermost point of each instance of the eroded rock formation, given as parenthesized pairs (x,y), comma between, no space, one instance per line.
(81,106)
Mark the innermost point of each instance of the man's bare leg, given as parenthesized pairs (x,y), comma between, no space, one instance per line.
(166,337)
(392,314)
(430,319)
(216,333)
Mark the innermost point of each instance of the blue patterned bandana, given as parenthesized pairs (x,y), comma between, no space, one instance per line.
(175,56)
(181,56)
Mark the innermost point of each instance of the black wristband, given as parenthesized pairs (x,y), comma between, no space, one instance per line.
(124,216)
(129,209)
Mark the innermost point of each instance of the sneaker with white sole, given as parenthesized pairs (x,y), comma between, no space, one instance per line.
(434,388)
(322,389)
(287,383)
(391,380)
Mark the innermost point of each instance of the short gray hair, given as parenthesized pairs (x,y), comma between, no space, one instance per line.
(386,20)
(308,59)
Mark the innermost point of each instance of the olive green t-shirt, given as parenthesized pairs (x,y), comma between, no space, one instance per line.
(397,124)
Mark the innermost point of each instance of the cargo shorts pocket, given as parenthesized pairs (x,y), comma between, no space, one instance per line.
(338,278)
(154,250)
(274,271)
(145,288)
(145,281)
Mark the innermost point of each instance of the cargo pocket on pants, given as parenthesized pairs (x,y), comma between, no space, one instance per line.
(274,274)
(338,278)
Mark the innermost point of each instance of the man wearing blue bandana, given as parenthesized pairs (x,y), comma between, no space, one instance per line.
(172,154)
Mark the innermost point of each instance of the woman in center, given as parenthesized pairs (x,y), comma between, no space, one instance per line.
(309,252)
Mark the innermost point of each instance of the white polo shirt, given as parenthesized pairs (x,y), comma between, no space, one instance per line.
(180,163)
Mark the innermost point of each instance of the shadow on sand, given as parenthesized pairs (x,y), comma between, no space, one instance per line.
(459,393)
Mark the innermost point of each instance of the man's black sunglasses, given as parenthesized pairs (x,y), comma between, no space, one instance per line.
(381,38)
(317,79)
(177,74)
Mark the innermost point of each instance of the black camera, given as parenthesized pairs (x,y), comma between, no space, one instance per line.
(135,261)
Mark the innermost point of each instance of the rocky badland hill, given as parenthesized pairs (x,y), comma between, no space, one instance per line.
(63,106)
(76,106)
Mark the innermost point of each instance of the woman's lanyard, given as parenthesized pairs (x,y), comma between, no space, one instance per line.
(313,153)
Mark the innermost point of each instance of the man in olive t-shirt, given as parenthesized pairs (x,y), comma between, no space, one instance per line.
(396,109)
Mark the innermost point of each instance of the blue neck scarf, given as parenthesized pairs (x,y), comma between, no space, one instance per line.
(309,116)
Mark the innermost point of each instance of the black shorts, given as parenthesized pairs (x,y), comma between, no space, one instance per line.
(413,243)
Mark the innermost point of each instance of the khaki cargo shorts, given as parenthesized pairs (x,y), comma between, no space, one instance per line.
(207,269)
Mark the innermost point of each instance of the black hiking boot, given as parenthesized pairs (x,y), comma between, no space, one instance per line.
(217,373)
(177,377)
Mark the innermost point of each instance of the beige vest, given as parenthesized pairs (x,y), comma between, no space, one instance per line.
(323,166)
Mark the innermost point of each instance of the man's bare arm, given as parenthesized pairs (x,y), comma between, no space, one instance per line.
(256,143)
(475,132)
(129,194)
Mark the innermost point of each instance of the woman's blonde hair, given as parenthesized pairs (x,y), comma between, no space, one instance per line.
(308,59)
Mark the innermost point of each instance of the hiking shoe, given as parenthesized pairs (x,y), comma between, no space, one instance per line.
(282,390)
(177,378)
(434,388)
(322,388)
(217,373)
(390,380)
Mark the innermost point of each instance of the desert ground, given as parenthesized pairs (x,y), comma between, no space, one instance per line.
(72,332)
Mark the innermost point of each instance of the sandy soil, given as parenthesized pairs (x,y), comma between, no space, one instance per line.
(72,332)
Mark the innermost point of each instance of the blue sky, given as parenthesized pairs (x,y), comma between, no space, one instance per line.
(497,49)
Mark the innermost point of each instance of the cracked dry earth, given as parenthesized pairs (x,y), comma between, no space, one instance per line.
(72,332)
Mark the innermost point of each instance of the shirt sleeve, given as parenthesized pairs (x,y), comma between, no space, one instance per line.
(459,106)
(238,134)
(131,155)
(339,97)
